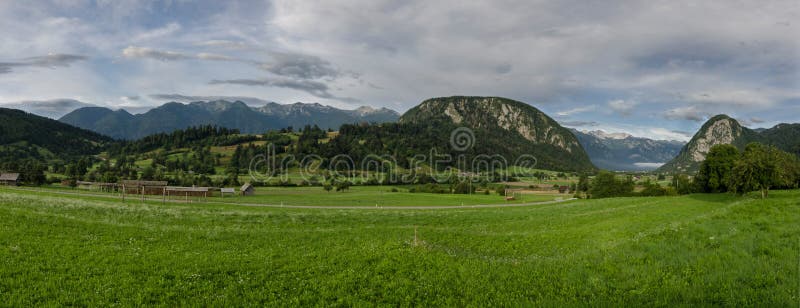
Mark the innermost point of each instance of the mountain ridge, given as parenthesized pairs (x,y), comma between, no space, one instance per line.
(231,114)
(612,152)
(723,129)
(499,121)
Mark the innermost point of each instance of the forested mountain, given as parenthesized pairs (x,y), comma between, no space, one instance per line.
(234,115)
(622,152)
(28,142)
(506,127)
(722,129)
(21,130)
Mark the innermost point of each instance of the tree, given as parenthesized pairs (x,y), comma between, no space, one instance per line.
(682,184)
(606,185)
(756,169)
(343,185)
(715,171)
(148,173)
(464,187)
(583,183)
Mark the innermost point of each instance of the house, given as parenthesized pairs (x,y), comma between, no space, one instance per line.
(247,189)
(563,188)
(9,179)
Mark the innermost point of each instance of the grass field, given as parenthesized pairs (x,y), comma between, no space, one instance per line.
(689,250)
(356,196)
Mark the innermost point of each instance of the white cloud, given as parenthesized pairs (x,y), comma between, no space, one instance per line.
(569,112)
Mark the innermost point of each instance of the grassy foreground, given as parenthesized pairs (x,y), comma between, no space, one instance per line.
(693,250)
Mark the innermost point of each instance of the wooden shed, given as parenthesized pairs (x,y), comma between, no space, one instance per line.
(248,189)
(143,187)
(9,179)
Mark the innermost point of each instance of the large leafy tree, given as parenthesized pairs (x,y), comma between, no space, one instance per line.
(715,171)
(762,168)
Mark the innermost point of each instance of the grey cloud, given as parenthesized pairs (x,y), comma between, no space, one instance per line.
(162,55)
(504,68)
(49,61)
(294,65)
(312,87)
(300,66)
(621,106)
(691,113)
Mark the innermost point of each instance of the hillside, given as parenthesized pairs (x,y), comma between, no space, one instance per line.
(622,152)
(234,115)
(507,127)
(722,129)
(27,136)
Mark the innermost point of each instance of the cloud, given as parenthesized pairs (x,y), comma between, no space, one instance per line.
(649,165)
(48,61)
(569,112)
(734,97)
(756,120)
(579,123)
(312,87)
(622,107)
(294,65)
(54,108)
(300,66)
(161,55)
(165,31)
(504,68)
(691,113)
(227,44)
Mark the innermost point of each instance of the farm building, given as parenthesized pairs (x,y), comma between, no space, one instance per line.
(186,192)
(143,187)
(9,179)
(248,189)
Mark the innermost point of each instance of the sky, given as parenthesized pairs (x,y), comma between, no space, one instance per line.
(654,69)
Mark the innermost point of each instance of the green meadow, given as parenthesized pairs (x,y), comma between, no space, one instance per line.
(712,249)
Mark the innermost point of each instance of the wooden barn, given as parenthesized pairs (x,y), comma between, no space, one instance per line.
(9,179)
(248,189)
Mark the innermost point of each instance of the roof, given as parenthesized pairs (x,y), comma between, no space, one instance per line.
(246,186)
(9,176)
(144,183)
(187,189)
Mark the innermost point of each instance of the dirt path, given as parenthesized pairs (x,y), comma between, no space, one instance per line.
(135,199)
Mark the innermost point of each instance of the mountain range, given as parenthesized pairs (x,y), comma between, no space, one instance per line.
(121,124)
(722,129)
(623,152)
